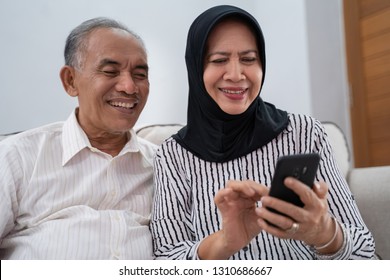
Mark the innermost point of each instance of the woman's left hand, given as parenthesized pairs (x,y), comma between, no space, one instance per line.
(311,224)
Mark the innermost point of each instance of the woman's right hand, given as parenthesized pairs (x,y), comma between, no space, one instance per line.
(237,204)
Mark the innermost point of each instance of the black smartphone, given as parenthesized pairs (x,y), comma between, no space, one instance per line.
(300,166)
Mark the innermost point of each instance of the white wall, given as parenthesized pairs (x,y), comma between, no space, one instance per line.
(33,35)
(327,63)
(287,82)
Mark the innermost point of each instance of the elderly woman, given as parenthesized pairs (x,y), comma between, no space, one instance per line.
(213,176)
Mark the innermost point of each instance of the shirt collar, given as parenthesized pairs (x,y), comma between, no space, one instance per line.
(132,146)
(74,139)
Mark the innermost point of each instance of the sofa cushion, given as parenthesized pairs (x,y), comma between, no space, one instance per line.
(3,136)
(371,188)
(158,133)
(340,147)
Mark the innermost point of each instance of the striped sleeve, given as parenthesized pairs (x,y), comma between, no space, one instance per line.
(171,224)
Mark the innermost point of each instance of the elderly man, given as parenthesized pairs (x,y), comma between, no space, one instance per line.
(82,189)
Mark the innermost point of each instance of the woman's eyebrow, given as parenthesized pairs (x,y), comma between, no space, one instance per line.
(218,52)
(227,53)
(247,52)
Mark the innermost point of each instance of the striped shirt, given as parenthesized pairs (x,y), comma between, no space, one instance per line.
(184,211)
(61,198)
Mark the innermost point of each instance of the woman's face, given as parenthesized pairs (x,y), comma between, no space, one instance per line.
(232,68)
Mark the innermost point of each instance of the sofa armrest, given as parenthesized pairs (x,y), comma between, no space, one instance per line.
(371,188)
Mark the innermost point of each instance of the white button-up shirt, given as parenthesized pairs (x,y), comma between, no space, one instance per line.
(61,198)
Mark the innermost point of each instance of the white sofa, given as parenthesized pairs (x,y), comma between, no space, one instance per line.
(370,186)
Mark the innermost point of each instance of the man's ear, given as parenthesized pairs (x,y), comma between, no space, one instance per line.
(67,75)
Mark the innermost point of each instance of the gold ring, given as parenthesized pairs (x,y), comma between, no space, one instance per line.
(293,229)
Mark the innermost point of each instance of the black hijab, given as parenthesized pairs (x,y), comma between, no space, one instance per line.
(210,133)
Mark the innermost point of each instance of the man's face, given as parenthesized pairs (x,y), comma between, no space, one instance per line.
(112,83)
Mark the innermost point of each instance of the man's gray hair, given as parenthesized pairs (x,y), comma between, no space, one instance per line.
(76,42)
